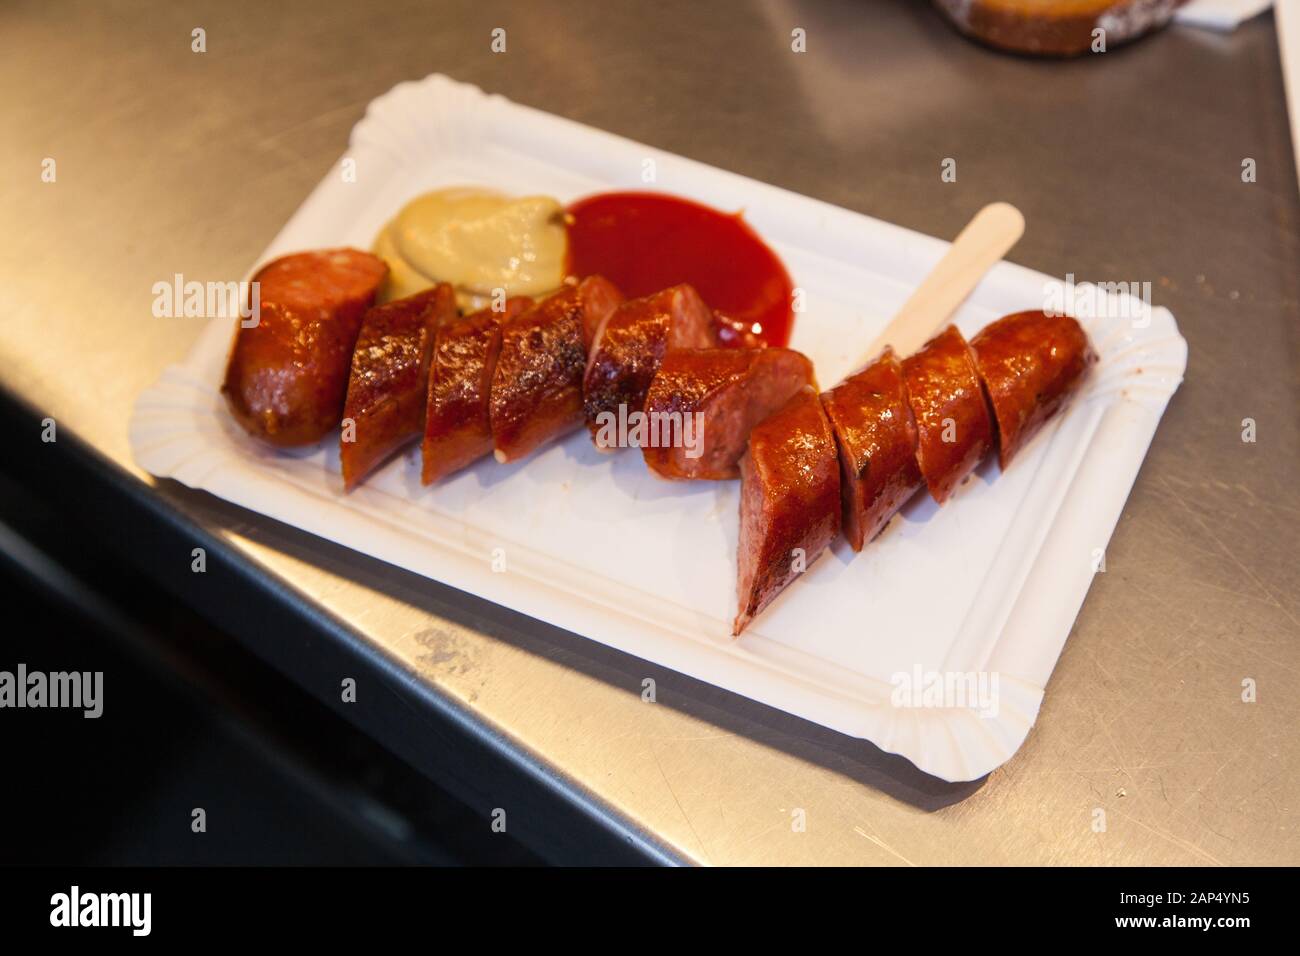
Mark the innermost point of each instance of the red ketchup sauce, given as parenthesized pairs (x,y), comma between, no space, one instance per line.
(644,242)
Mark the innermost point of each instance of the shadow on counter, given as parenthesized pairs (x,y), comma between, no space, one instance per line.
(855,759)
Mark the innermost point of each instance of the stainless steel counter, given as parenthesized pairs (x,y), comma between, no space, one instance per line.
(1127,166)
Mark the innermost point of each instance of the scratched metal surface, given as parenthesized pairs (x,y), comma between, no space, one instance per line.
(1126,166)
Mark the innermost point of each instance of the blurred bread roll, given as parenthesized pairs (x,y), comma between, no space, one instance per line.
(1056,27)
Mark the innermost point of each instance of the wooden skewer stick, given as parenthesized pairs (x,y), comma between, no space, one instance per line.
(986,239)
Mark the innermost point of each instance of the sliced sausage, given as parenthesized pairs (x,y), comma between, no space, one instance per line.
(630,345)
(1030,362)
(390,367)
(288,374)
(789,501)
(457,424)
(734,334)
(711,399)
(953,427)
(876,436)
(600,298)
(537,384)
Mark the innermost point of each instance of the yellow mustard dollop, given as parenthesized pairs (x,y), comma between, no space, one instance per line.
(479,241)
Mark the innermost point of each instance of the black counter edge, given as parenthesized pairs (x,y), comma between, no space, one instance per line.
(562,820)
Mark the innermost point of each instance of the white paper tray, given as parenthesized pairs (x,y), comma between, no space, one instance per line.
(990,583)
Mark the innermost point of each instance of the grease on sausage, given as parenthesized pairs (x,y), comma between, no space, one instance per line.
(731,390)
(537,385)
(953,427)
(1030,362)
(458,424)
(390,368)
(789,501)
(629,346)
(287,376)
(876,436)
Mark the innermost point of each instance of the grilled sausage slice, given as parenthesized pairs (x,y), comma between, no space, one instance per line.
(953,427)
(288,375)
(457,423)
(1030,362)
(712,399)
(390,369)
(876,436)
(789,501)
(631,343)
(537,385)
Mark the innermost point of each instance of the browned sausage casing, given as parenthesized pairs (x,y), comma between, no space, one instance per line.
(789,501)
(630,345)
(287,376)
(876,435)
(458,424)
(732,390)
(1030,363)
(953,427)
(390,368)
(537,385)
